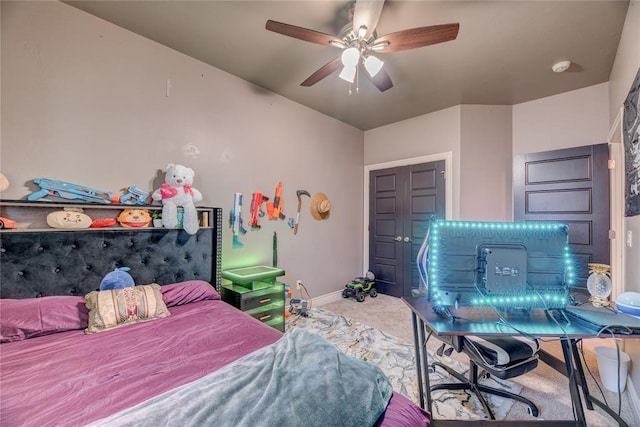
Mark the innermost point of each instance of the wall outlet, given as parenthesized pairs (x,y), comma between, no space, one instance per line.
(298,283)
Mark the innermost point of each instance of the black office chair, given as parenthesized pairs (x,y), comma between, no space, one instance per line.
(503,357)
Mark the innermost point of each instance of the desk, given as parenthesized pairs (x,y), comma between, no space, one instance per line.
(537,323)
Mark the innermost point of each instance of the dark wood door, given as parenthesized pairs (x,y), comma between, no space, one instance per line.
(571,186)
(402,201)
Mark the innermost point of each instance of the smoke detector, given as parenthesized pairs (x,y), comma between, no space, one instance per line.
(561,66)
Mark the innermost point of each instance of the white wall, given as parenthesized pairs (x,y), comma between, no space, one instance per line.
(479,138)
(86,102)
(485,163)
(625,67)
(571,119)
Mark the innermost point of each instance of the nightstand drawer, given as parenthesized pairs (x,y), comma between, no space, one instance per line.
(263,298)
(268,312)
(246,299)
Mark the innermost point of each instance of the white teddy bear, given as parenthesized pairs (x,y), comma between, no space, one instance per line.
(177,191)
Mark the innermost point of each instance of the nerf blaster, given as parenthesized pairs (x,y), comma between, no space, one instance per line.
(139,196)
(67,190)
(235,220)
(257,199)
(275,209)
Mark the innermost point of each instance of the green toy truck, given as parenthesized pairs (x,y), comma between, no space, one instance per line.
(360,286)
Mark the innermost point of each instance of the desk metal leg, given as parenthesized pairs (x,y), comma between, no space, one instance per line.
(573,381)
(591,400)
(422,362)
(416,343)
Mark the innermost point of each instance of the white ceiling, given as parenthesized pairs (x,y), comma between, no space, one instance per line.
(502,56)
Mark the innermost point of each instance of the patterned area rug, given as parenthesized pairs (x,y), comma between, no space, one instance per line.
(396,358)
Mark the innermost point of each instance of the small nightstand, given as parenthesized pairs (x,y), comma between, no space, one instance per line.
(255,291)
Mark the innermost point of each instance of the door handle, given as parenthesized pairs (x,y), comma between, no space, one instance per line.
(398,239)
(407,240)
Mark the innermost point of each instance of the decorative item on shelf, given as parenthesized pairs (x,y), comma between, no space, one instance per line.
(69,218)
(67,190)
(177,191)
(135,196)
(320,206)
(103,222)
(156,218)
(4,182)
(134,218)
(599,284)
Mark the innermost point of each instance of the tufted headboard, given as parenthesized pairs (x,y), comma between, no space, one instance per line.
(42,263)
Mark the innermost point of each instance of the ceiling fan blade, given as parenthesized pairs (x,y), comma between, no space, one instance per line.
(418,37)
(381,80)
(300,33)
(323,72)
(367,13)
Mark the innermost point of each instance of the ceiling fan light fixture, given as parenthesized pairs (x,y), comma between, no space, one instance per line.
(338,43)
(373,65)
(362,31)
(379,46)
(348,74)
(350,57)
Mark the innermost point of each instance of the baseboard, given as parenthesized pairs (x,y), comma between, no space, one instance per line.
(634,399)
(326,298)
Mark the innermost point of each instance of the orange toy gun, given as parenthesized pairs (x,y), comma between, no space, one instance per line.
(257,199)
(274,210)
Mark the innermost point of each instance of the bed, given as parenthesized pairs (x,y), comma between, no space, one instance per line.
(200,362)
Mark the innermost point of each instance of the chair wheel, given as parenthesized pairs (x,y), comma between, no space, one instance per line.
(485,376)
(532,412)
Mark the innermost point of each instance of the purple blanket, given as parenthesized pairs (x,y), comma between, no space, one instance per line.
(70,378)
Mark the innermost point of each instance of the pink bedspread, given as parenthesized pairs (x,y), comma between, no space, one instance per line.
(70,378)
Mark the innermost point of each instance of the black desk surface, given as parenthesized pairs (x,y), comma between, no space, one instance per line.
(486,321)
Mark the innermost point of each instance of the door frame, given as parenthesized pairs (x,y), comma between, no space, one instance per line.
(448,175)
(616,211)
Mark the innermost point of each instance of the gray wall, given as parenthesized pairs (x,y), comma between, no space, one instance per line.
(86,102)
(625,67)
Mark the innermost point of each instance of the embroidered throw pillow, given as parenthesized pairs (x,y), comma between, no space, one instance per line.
(118,307)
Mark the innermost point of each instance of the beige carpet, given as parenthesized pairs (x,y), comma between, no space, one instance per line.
(544,386)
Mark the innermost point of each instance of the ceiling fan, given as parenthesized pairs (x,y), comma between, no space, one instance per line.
(359,41)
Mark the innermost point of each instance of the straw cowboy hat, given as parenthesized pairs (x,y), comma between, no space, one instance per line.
(320,206)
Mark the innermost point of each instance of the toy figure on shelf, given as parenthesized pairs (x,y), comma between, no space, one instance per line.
(134,218)
(177,191)
(67,190)
(69,218)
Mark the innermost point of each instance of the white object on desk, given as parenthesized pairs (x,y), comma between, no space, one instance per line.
(629,303)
